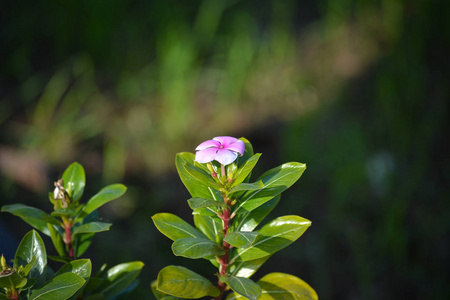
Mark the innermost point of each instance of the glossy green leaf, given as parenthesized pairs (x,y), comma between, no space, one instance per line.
(243,286)
(245,169)
(195,187)
(91,228)
(60,287)
(27,268)
(276,235)
(248,153)
(119,277)
(275,181)
(57,240)
(105,195)
(247,187)
(247,268)
(196,248)
(31,248)
(210,226)
(74,181)
(82,242)
(205,211)
(33,216)
(242,239)
(184,283)
(283,286)
(10,275)
(81,267)
(197,202)
(250,220)
(201,176)
(174,227)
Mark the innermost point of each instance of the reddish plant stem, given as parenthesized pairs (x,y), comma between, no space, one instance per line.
(14,294)
(224,258)
(68,238)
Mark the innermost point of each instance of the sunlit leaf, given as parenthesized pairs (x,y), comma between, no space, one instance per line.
(242,239)
(91,227)
(250,220)
(245,169)
(184,283)
(276,235)
(197,202)
(81,267)
(105,195)
(74,181)
(119,277)
(174,227)
(243,286)
(31,248)
(247,187)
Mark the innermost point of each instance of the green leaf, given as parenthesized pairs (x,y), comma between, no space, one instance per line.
(242,239)
(245,169)
(195,187)
(81,267)
(91,228)
(119,277)
(57,240)
(247,268)
(31,248)
(105,195)
(250,220)
(184,283)
(201,176)
(33,216)
(196,248)
(74,181)
(82,242)
(276,235)
(26,269)
(285,286)
(61,287)
(210,226)
(248,153)
(174,227)
(275,181)
(244,286)
(247,187)
(8,275)
(197,202)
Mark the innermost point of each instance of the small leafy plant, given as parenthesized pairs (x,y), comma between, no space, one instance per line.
(228,210)
(71,226)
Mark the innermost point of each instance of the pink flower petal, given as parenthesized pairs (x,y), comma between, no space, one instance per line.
(238,146)
(207,144)
(225,140)
(225,157)
(206,155)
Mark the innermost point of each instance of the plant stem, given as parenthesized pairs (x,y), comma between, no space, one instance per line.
(224,258)
(14,294)
(68,238)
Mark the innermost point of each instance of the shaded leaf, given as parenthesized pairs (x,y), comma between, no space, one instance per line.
(82,242)
(201,176)
(63,212)
(105,195)
(250,220)
(210,226)
(197,202)
(174,227)
(276,235)
(57,240)
(60,287)
(247,187)
(119,277)
(33,216)
(81,267)
(91,227)
(184,283)
(8,275)
(247,268)
(196,248)
(74,181)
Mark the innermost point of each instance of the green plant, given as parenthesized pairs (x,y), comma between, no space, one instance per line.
(71,226)
(227,209)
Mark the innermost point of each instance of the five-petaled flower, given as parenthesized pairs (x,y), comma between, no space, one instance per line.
(224,149)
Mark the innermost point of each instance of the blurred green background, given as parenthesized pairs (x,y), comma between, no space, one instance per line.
(357,90)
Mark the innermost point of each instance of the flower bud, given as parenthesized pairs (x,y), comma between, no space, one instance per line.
(231,171)
(3,262)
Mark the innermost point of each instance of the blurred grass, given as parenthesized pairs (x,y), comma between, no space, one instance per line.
(356,89)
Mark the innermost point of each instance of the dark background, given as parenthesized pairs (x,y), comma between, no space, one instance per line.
(357,90)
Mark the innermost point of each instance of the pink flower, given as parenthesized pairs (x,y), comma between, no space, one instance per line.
(224,149)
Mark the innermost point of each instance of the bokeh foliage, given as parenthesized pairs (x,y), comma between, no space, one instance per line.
(356,89)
